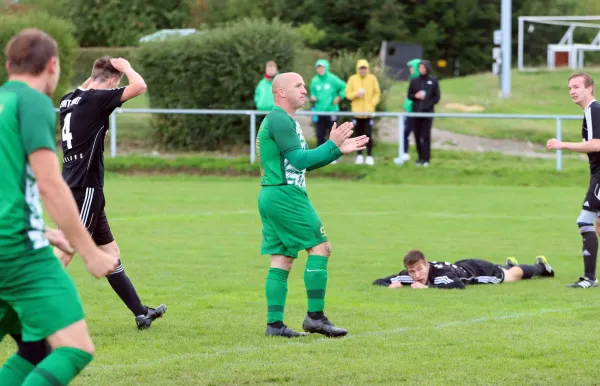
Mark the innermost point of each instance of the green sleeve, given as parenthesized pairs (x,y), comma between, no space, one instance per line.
(315,158)
(37,122)
(283,132)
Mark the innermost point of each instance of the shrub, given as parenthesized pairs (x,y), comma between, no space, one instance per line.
(61,30)
(121,23)
(218,69)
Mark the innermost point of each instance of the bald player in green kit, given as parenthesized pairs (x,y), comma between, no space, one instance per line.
(290,223)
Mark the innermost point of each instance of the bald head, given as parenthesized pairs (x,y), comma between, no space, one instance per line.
(288,89)
(286,80)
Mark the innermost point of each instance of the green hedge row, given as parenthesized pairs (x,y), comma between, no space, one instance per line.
(218,69)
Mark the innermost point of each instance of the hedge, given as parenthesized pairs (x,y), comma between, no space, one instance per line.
(61,30)
(218,69)
(118,23)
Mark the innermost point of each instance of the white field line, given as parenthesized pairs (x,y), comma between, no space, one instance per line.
(299,343)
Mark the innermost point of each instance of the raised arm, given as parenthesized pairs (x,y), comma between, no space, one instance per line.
(137,85)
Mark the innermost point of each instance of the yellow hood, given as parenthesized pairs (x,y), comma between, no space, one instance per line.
(362,63)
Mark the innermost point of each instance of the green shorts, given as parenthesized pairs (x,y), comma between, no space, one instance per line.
(290,223)
(37,296)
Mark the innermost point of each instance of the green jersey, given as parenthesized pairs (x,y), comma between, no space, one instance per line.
(27,123)
(278,135)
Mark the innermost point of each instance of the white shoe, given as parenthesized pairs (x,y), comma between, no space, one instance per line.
(334,162)
(359,159)
(370,160)
(405,157)
(425,164)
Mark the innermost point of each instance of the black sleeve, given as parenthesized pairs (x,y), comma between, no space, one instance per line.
(412,90)
(593,120)
(402,277)
(447,282)
(108,100)
(436,92)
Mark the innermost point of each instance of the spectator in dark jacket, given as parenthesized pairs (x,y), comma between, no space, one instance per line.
(424,91)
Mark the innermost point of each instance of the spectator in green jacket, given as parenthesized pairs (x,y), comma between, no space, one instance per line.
(326,92)
(263,95)
(413,66)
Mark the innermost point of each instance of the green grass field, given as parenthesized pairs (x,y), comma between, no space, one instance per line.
(193,243)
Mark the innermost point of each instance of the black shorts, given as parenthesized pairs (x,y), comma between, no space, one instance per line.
(91,203)
(592,201)
(482,271)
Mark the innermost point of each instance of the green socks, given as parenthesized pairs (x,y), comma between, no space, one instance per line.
(315,280)
(276,289)
(59,368)
(14,371)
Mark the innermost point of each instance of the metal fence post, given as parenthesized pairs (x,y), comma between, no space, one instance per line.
(113,134)
(400,159)
(559,137)
(252,137)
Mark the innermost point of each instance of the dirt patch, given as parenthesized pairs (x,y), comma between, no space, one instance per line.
(464,108)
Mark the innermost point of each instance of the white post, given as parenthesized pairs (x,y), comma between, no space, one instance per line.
(520,49)
(252,137)
(506,46)
(113,134)
(400,159)
(559,137)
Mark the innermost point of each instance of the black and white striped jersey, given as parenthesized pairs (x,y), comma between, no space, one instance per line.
(84,122)
(591,130)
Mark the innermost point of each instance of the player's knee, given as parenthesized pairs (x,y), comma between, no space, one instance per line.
(111,248)
(282,262)
(32,352)
(323,249)
(587,219)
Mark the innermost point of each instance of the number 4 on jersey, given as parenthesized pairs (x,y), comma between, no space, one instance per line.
(67,136)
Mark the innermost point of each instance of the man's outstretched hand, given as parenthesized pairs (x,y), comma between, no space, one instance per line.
(340,133)
(354,144)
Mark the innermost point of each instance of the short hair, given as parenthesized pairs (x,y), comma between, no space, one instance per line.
(271,63)
(29,52)
(587,79)
(413,257)
(103,70)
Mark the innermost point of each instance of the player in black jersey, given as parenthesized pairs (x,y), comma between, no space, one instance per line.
(84,115)
(581,89)
(420,273)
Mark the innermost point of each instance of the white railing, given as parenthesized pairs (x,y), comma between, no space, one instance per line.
(399,115)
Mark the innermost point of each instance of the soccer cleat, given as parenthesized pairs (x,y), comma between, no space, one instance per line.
(360,159)
(511,262)
(144,321)
(322,326)
(283,331)
(584,282)
(548,270)
(370,160)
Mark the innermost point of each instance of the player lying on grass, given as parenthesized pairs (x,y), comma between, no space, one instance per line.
(420,273)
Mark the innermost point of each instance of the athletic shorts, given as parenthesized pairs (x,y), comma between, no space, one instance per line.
(290,223)
(37,296)
(482,271)
(91,204)
(592,197)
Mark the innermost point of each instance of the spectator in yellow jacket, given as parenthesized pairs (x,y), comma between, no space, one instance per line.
(363,90)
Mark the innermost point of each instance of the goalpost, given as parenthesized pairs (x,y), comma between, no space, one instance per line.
(575,51)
